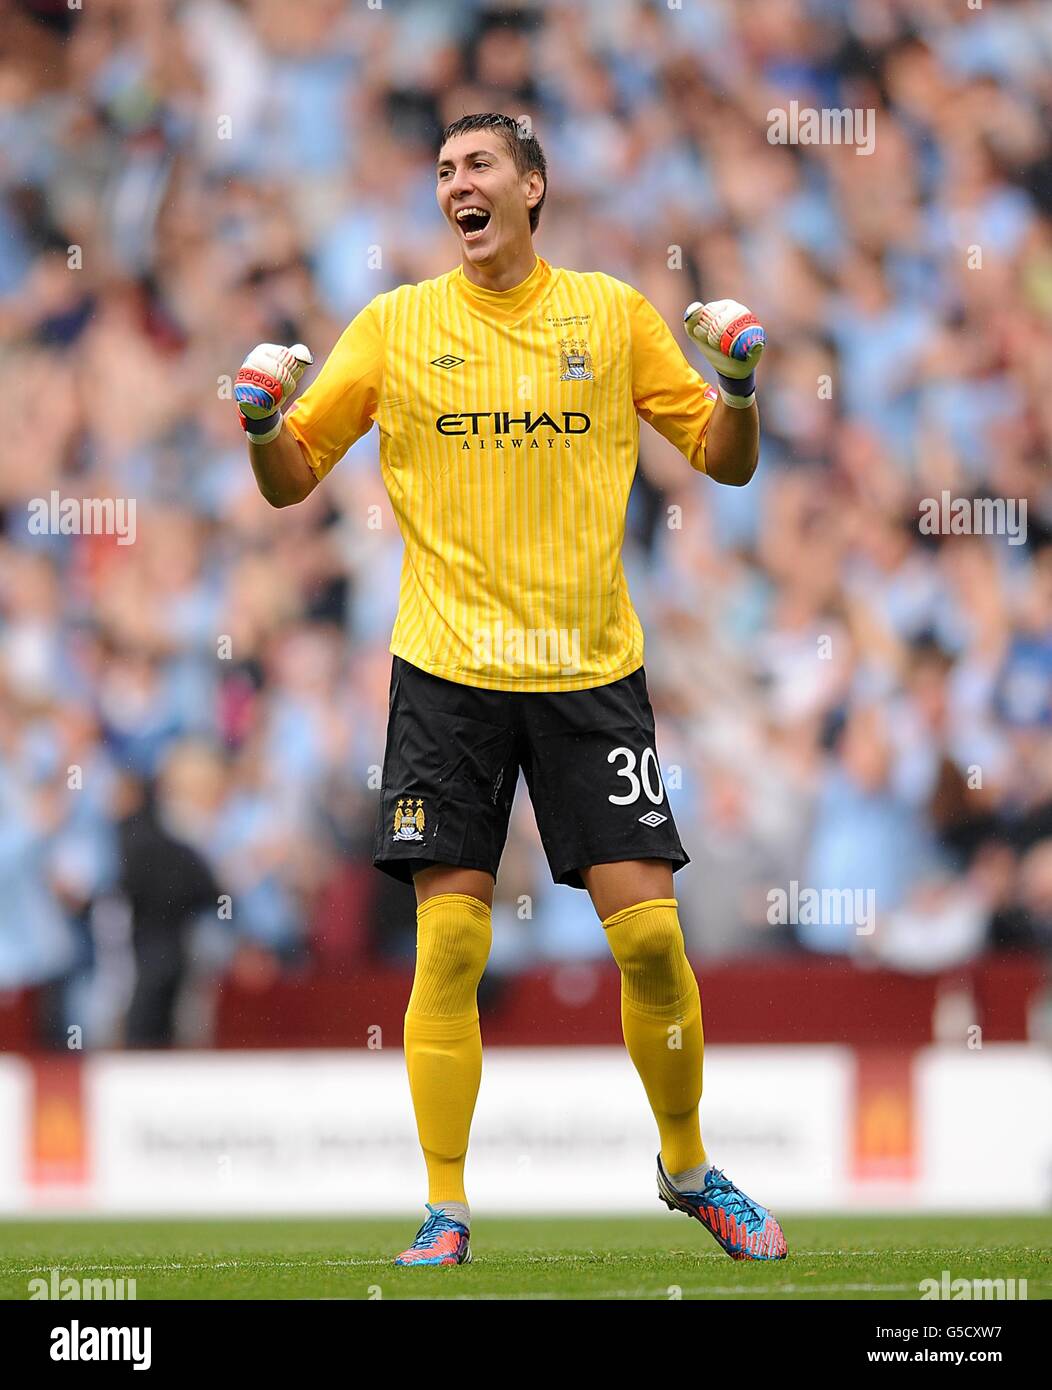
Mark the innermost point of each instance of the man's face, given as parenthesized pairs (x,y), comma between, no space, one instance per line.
(483,196)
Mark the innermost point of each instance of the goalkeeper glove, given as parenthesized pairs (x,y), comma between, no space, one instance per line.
(268,376)
(733,340)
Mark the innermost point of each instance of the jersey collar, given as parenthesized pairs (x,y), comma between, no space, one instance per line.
(506,306)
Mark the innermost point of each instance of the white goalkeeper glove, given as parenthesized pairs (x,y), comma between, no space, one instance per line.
(268,376)
(733,340)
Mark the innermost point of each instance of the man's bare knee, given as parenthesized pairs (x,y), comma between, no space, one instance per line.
(613,887)
(435,879)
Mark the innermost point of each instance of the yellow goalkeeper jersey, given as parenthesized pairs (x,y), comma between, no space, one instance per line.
(509,435)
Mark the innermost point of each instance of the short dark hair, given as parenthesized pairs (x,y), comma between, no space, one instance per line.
(522,144)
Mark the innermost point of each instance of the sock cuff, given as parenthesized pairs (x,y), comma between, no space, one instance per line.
(440,1027)
(464,901)
(680,1010)
(627,912)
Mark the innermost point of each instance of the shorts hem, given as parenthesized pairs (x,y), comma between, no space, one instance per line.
(570,876)
(404,869)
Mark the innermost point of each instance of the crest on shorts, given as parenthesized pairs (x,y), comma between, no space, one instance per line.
(408,823)
(575,361)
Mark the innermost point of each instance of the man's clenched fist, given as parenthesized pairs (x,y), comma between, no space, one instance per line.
(268,376)
(733,340)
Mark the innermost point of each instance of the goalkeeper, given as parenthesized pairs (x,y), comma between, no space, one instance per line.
(508,395)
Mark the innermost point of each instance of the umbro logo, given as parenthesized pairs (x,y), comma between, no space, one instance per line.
(447,361)
(652,818)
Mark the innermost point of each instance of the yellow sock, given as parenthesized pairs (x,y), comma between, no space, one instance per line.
(443,1044)
(661,1018)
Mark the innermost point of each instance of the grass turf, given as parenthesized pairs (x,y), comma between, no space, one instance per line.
(857,1257)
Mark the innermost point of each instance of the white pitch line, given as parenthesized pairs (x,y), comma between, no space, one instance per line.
(797,1256)
(655,1296)
(164,1267)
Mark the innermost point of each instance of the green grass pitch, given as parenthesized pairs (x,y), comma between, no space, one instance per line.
(856,1257)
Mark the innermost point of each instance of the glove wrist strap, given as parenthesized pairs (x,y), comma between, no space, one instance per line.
(738,392)
(262,431)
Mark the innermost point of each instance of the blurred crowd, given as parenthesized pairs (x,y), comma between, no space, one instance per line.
(191,725)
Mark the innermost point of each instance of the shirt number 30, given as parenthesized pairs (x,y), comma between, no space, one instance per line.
(647,780)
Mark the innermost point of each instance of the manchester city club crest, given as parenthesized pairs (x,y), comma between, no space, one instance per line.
(575,361)
(408,823)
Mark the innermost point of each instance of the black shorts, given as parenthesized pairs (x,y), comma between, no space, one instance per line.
(453,758)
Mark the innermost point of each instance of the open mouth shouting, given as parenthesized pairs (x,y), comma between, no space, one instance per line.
(472,222)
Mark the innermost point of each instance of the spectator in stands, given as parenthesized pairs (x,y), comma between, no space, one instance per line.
(240,654)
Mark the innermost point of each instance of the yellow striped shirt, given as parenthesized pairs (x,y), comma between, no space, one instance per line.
(509,435)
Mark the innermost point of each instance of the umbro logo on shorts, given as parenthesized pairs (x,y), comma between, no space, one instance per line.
(652,818)
(447,360)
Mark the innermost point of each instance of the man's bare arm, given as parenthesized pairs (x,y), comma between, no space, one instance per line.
(268,378)
(283,475)
(733,340)
(732,444)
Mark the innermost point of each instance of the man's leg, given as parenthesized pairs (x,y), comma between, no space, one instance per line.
(443,1044)
(661,1017)
(660,1002)
(449,777)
